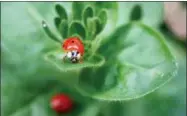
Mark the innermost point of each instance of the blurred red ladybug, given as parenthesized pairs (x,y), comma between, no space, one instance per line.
(61,103)
(74,49)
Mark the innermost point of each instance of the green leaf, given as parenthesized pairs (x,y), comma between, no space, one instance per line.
(142,64)
(107,13)
(77,28)
(91,28)
(172,94)
(94,27)
(111,6)
(153,17)
(103,17)
(77,10)
(63,28)
(136,13)
(57,21)
(111,9)
(99,26)
(61,12)
(56,59)
(87,13)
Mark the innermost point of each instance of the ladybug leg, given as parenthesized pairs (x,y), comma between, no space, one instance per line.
(79,57)
(63,58)
(81,60)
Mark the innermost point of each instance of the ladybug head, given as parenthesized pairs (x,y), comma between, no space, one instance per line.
(74,56)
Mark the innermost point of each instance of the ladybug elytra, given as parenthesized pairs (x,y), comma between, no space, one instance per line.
(61,103)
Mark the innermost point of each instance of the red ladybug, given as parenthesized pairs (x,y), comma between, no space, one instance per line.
(61,103)
(74,49)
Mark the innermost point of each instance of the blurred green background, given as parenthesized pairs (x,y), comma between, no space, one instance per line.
(28,82)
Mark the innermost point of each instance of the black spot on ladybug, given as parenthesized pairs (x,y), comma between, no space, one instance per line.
(72,41)
(77,52)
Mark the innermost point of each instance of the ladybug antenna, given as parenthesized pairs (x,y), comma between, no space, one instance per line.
(49,32)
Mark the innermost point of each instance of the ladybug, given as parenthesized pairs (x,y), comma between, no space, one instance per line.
(61,103)
(74,49)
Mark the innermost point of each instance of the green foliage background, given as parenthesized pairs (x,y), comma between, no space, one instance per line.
(126,68)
